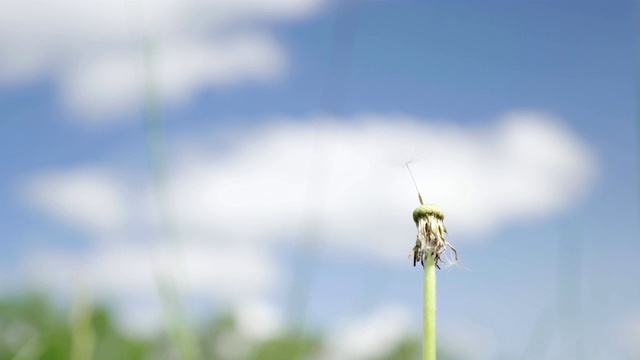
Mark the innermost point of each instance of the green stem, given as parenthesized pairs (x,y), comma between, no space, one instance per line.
(429,335)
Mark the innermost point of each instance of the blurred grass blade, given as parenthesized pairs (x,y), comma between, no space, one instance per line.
(83,336)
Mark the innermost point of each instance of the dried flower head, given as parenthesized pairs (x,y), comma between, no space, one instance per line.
(430,241)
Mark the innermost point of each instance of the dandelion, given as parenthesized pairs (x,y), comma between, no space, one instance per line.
(429,250)
(430,241)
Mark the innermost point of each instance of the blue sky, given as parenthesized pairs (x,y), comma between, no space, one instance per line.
(452,70)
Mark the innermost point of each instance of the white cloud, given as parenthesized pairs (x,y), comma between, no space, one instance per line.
(628,335)
(525,166)
(93,49)
(90,199)
(467,340)
(132,276)
(267,183)
(259,320)
(372,336)
(379,332)
(224,273)
(113,84)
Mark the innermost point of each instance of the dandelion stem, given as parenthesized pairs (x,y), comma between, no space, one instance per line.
(429,335)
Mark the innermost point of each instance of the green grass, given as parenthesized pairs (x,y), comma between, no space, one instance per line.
(33,327)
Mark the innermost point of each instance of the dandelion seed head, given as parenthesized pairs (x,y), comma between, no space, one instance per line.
(430,242)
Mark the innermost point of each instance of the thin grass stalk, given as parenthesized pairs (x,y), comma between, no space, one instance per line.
(183,338)
(83,336)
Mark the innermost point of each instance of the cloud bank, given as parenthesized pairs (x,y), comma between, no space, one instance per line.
(262,185)
(93,50)
(235,198)
(372,336)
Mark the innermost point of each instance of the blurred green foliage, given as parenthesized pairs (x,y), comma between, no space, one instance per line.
(34,327)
